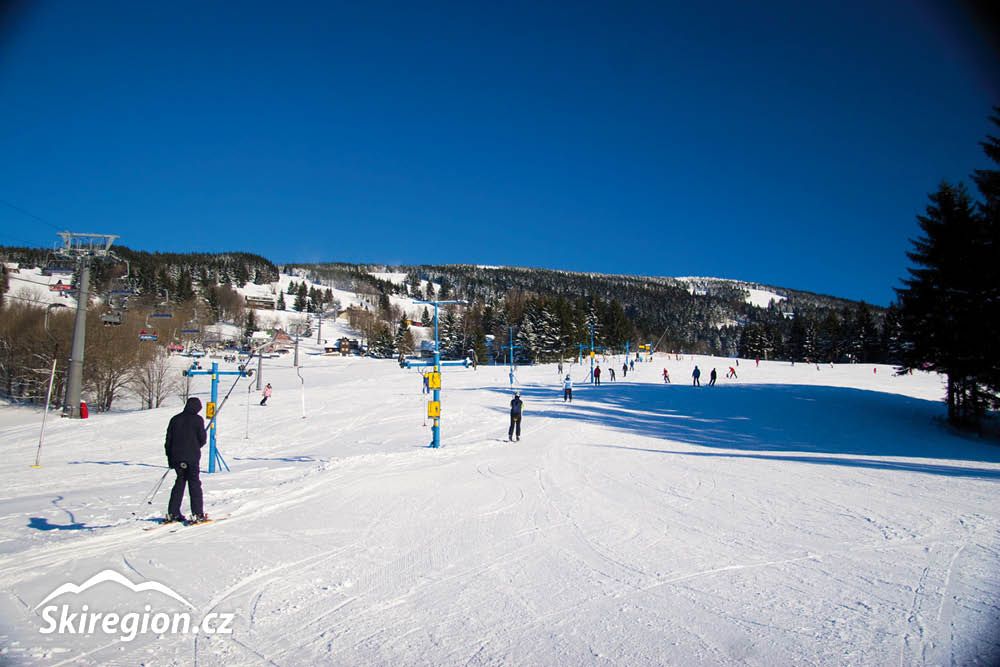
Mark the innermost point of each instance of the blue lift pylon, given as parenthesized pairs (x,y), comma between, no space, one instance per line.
(510,359)
(213,450)
(593,352)
(434,407)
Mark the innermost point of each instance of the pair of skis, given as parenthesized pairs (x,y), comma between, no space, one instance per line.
(176,525)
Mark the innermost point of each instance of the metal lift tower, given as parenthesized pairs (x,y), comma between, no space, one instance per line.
(81,248)
(434,406)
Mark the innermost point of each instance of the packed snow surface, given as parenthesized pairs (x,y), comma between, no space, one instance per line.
(795,515)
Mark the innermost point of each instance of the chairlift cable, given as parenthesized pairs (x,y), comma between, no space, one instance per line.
(218,408)
(30,215)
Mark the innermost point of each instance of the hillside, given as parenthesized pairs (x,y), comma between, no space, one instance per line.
(791,516)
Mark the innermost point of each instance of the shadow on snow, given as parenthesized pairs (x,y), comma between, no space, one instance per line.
(772,418)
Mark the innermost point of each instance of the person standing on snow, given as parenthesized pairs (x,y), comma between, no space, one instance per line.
(568,389)
(559,368)
(696,375)
(712,377)
(597,375)
(666,376)
(516,406)
(631,365)
(611,369)
(185,438)
(267,394)
(731,373)
(625,370)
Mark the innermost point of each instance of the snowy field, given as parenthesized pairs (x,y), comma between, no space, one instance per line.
(794,516)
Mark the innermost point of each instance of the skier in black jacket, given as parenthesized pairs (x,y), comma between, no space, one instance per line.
(185,438)
(516,405)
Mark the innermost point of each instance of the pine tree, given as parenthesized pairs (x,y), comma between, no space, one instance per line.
(381,344)
(448,333)
(988,211)
(251,324)
(939,303)
(301,301)
(404,338)
(4,283)
(281,301)
(548,335)
(892,336)
(184,288)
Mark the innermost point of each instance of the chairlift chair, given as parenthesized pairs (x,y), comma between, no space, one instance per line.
(112,318)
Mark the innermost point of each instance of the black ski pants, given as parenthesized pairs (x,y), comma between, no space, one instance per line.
(515,426)
(187,474)
(567,395)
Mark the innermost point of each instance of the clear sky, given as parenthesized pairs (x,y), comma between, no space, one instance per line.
(788,142)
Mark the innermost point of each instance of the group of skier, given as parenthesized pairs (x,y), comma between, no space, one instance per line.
(696,376)
(186,435)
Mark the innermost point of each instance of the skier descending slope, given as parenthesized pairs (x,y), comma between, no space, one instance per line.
(267,394)
(185,438)
(568,389)
(696,376)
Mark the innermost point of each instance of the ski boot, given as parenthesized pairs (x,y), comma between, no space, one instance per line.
(174,518)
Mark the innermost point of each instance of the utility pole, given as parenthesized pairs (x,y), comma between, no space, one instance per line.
(82,248)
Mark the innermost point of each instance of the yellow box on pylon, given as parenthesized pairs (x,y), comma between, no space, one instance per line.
(434,408)
(210,410)
(434,380)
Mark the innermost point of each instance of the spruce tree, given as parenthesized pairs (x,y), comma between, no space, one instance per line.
(988,211)
(939,303)
(250,325)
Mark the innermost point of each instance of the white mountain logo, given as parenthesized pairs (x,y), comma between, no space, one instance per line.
(111,575)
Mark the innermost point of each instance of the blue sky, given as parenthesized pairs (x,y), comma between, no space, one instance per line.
(788,143)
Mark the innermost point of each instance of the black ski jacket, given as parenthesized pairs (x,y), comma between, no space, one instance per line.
(185,434)
(515,407)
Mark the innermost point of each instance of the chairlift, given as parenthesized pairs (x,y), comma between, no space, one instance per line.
(148,333)
(112,318)
(58,264)
(60,286)
(191,327)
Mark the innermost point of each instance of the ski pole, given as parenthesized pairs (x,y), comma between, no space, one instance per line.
(149,497)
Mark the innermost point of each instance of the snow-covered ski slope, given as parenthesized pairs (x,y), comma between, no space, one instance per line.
(794,516)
